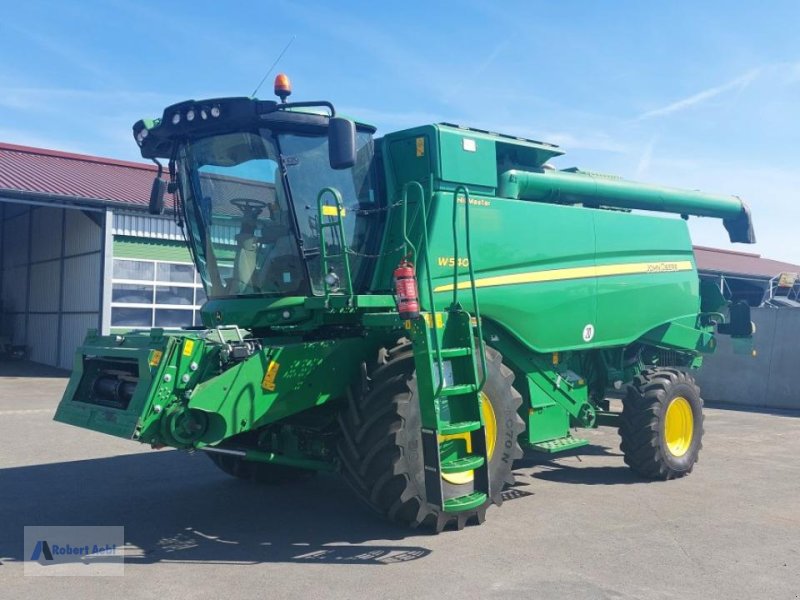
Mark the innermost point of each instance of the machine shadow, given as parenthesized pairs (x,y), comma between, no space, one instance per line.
(591,475)
(532,458)
(177,507)
(553,468)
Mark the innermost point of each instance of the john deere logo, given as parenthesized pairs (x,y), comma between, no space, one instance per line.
(42,551)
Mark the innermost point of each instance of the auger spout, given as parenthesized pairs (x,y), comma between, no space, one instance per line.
(568,187)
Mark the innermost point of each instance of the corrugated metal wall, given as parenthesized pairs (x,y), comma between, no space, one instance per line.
(14,301)
(137,225)
(51,278)
(148,226)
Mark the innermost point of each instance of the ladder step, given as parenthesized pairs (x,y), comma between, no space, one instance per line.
(559,445)
(468,502)
(459,427)
(456,352)
(462,465)
(459,390)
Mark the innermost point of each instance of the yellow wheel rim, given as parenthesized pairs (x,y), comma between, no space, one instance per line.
(490,426)
(678,426)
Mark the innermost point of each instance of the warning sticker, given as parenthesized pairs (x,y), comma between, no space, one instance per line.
(268,383)
(155,358)
(429,320)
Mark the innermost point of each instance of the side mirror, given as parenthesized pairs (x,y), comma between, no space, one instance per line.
(341,143)
(157,196)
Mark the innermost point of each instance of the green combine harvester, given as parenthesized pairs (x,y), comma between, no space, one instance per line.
(410,311)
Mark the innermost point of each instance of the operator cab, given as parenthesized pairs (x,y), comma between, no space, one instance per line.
(247,174)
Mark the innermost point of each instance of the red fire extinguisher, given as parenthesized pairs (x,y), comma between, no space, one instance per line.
(405,285)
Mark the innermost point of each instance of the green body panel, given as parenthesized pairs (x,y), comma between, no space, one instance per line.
(542,314)
(255,311)
(546,421)
(570,289)
(623,238)
(308,375)
(297,311)
(555,395)
(473,168)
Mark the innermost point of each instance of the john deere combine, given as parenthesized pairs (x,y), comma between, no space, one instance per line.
(411,311)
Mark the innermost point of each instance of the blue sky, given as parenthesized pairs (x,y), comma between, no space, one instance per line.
(702,95)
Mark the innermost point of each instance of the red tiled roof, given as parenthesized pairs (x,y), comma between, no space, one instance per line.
(740,263)
(42,171)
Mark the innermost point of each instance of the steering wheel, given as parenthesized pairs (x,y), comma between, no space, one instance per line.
(249,206)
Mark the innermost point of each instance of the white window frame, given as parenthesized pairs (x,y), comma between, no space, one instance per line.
(155,283)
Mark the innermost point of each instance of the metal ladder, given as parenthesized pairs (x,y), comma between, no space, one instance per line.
(448,386)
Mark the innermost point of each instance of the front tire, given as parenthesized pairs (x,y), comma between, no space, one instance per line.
(381,447)
(662,424)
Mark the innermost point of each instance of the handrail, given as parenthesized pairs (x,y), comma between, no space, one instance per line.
(422,210)
(471,272)
(337,196)
(406,240)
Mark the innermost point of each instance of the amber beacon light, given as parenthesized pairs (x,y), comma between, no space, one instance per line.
(283,87)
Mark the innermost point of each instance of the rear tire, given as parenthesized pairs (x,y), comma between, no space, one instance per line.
(662,424)
(258,472)
(381,447)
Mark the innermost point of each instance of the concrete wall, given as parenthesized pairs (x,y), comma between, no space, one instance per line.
(771,379)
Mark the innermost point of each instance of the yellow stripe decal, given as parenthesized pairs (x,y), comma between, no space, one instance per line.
(573,273)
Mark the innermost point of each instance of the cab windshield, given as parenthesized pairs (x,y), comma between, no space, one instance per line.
(251,212)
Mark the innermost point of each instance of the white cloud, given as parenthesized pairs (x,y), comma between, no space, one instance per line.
(737,84)
(471,78)
(646,158)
